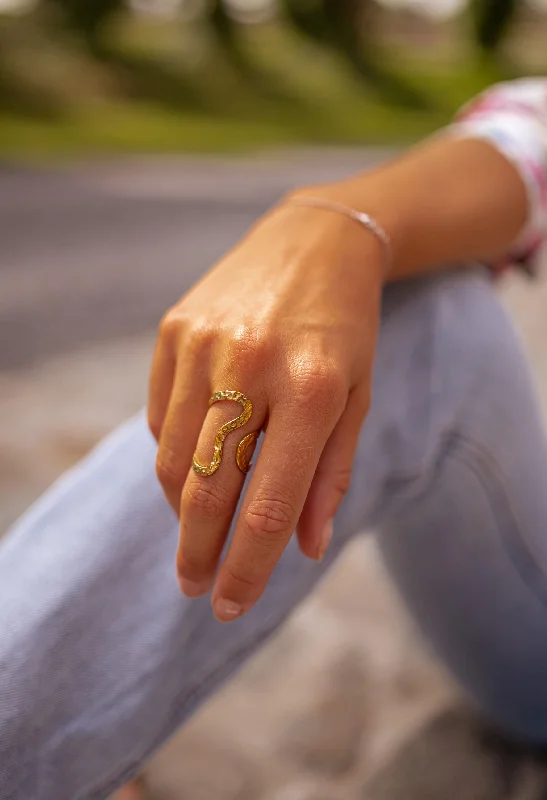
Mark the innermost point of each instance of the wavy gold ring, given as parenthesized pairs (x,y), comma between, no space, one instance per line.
(242,461)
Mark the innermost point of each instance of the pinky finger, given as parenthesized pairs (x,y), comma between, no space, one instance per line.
(332,479)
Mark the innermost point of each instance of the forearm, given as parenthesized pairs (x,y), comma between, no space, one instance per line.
(447,201)
(477,192)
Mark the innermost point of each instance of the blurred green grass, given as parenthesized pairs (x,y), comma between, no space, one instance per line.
(166,88)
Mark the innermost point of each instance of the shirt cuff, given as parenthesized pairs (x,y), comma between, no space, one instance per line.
(522,141)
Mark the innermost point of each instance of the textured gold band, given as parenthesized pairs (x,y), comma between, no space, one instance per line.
(242,461)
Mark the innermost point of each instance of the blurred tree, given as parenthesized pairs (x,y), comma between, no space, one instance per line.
(347,26)
(492,20)
(139,75)
(88,18)
(227,32)
(308,16)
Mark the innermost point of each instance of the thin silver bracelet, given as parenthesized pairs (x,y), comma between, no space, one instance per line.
(368,222)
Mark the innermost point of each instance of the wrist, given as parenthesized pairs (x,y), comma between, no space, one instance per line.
(371,216)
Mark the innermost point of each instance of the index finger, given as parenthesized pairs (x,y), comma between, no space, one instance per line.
(271,509)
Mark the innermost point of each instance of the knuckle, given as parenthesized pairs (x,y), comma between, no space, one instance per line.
(341,481)
(195,569)
(320,385)
(169,470)
(269,516)
(251,344)
(200,336)
(206,499)
(169,325)
(238,577)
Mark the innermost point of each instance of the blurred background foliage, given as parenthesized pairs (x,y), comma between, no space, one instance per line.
(219,75)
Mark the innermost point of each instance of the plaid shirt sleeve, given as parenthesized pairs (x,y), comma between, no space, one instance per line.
(513,117)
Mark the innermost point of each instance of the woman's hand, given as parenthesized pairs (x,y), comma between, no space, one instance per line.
(289,318)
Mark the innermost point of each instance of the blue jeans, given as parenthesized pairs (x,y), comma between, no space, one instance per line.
(101,658)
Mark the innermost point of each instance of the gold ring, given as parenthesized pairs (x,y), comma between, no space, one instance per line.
(242,461)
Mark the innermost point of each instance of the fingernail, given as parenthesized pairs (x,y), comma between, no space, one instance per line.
(326,537)
(194,589)
(227,610)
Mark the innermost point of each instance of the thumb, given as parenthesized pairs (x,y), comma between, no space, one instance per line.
(332,478)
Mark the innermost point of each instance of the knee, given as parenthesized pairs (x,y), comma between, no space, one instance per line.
(447,349)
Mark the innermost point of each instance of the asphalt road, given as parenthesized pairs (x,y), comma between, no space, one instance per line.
(92,253)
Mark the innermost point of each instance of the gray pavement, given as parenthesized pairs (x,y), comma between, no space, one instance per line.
(345,702)
(89,254)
